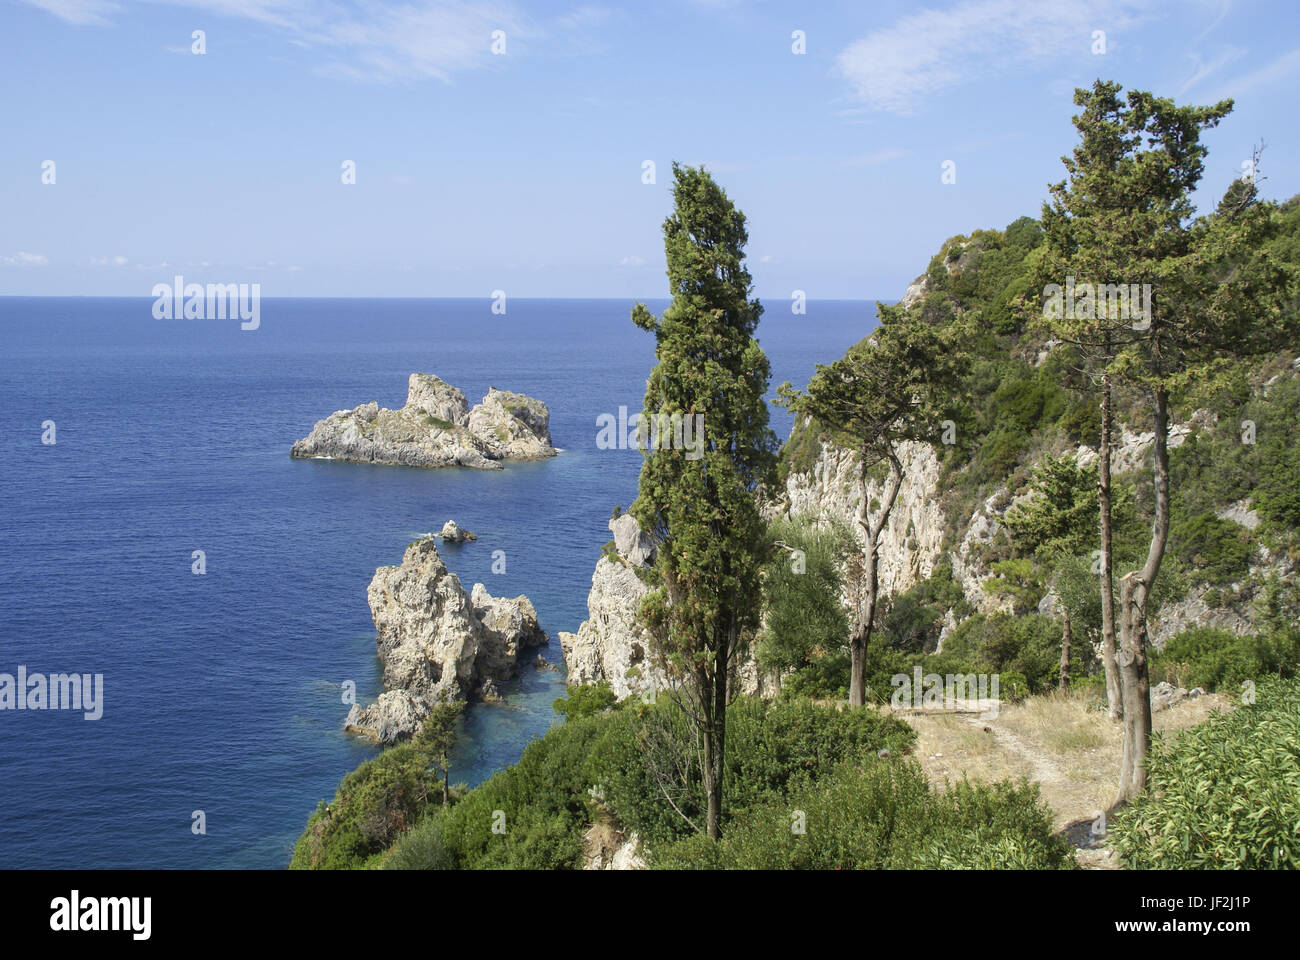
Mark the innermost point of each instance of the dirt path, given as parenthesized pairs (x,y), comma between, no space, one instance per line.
(1063,744)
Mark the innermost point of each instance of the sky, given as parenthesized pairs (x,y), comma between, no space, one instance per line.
(523,168)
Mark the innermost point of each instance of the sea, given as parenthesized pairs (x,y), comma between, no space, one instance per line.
(223,691)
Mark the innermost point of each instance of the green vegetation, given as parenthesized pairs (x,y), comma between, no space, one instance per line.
(438,422)
(802,584)
(585,700)
(1221,660)
(1224,795)
(885,816)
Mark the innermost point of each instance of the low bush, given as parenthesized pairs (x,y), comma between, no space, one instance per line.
(1220,660)
(883,816)
(1224,795)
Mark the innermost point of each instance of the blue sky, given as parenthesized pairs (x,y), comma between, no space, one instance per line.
(522,171)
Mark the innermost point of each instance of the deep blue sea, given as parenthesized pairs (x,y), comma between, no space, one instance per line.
(223,692)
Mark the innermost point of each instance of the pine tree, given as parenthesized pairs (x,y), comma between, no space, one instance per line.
(1207,291)
(699,505)
(1057,523)
(896,386)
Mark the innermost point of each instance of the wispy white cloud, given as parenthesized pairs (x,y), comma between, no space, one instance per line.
(897,68)
(1203,69)
(373,41)
(632,261)
(79,12)
(1283,68)
(117,261)
(24,259)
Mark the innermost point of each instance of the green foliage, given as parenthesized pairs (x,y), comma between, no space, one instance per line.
(542,802)
(1018,578)
(645,758)
(1005,644)
(1060,517)
(438,422)
(421,848)
(585,700)
(1225,795)
(374,805)
(884,816)
(1215,550)
(800,452)
(913,619)
(1220,660)
(802,585)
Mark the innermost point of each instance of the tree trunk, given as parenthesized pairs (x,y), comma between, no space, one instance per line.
(871,528)
(1114,703)
(715,736)
(1063,684)
(1135,588)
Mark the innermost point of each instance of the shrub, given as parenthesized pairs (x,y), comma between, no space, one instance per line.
(1025,649)
(374,805)
(801,592)
(883,816)
(645,758)
(421,848)
(585,700)
(1215,550)
(1220,660)
(1224,795)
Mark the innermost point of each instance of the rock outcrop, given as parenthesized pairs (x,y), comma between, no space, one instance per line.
(437,643)
(453,532)
(910,542)
(609,645)
(436,428)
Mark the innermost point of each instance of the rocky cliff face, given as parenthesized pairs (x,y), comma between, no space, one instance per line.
(912,542)
(609,646)
(436,428)
(437,643)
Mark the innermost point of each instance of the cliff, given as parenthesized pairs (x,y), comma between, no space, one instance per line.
(609,646)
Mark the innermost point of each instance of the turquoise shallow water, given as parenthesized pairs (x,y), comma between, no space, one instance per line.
(223,691)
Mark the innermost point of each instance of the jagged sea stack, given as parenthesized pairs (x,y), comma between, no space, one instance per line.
(437,642)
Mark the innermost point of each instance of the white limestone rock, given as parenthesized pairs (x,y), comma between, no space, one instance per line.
(435,428)
(437,643)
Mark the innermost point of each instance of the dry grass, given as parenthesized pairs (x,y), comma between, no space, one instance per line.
(1063,724)
(1062,742)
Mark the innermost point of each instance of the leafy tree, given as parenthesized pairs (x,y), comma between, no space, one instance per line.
(1211,290)
(704,601)
(893,388)
(802,586)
